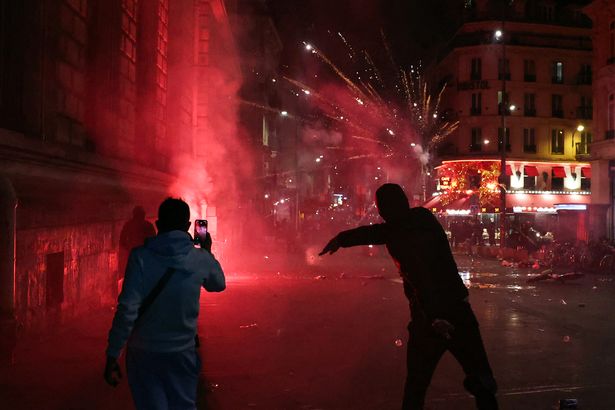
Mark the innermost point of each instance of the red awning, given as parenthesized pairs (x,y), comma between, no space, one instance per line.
(586,172)
(558,172)
(530,171)
(508,170)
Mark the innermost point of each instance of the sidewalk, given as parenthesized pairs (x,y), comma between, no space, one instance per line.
(63,370)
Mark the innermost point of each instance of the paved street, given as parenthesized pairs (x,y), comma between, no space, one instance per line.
(331,335)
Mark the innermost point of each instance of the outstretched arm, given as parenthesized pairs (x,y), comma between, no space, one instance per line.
(363,235)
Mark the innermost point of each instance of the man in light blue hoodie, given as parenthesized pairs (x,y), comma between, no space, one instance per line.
(161,360)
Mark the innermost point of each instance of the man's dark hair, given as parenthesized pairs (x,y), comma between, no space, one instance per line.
(392,202)
(173,214)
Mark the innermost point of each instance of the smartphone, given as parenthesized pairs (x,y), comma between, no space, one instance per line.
(200,231)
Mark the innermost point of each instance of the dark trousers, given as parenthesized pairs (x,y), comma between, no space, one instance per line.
(163,381)
(425,348)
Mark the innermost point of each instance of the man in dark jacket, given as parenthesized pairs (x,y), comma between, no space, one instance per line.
(442,318)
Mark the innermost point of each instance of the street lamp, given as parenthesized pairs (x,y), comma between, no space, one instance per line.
(580,128)
(499,36)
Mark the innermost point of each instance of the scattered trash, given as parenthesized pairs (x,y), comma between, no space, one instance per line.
(566,339)
(248,326)
(266,257)
(594,287)
(563,302)
(549,275)
(342,275)
(320,277)
(540,330)
(581,304)
(568,404)
(399,342)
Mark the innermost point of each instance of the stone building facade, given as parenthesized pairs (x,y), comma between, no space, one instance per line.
(602,13)
(522,76)
(98,98)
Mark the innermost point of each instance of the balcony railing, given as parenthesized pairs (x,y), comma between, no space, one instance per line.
(609,134)
(476,147)
(585,112)
(529,149)
(505,76)
(529,78)
(557,113)
(529,112)
(475,76)
(557,80)
(475,111)
(581,148)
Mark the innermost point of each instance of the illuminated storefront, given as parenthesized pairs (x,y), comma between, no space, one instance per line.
(543,193)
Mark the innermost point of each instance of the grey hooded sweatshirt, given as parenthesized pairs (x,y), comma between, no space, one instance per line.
(169,325)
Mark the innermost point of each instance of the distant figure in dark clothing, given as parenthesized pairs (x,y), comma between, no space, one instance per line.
(134,232)
(442,318)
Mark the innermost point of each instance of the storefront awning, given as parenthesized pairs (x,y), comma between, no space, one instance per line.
(558,172)
(586,172)
(530,171)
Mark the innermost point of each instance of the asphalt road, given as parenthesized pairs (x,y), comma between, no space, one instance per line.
(330,333)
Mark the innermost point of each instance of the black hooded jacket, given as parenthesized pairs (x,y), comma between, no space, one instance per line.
(420,248)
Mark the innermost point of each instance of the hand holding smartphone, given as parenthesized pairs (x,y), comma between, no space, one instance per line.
(201,236)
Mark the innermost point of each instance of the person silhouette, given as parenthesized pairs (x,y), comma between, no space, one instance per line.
(441,316)
(157,311)
(134,233)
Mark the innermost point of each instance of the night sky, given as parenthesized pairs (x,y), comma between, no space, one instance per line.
(415,29)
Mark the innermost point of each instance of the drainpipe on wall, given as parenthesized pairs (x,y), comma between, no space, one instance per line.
(8,217)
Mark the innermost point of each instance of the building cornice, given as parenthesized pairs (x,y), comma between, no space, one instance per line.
(24,157)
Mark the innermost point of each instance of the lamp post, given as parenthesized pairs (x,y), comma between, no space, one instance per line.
(499,36)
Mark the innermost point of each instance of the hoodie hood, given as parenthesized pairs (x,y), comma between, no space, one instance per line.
(171,247)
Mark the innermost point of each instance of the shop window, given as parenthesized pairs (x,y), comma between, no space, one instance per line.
(557,178)
(529,182)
